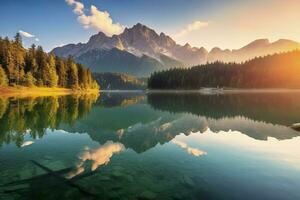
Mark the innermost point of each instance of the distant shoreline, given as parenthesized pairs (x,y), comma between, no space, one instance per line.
(225,90)
(122,91)
(20,91)
(208,90)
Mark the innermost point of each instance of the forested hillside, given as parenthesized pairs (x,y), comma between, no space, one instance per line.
(272,71)
(117,81)
(34,67)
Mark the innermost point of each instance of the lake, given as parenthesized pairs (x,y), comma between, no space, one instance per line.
(137,145)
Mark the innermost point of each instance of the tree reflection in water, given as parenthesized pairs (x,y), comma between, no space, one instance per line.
(33,116)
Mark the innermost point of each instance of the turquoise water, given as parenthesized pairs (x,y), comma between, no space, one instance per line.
(151,146)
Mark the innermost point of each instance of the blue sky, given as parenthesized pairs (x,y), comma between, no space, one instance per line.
(223,23)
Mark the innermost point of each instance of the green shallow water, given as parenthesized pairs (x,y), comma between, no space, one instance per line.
(151,146)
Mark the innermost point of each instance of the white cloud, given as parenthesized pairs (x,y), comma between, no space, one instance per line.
(196,25)
(78,9)
(97,19)
(26,34)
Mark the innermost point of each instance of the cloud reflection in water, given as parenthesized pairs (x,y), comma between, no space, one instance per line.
(27,143)
(190,150)
(99,156)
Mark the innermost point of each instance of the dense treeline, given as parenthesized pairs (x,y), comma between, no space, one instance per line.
(34,67)
(272,71)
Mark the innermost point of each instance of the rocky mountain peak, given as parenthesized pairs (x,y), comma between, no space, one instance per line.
(141,29)
(139,26)
(162,35)
(187,45)
(98,37)
(166,41)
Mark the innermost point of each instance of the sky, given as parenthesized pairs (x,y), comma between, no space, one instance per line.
(202,23)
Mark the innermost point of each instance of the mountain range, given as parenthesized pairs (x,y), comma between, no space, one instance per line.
(140,51)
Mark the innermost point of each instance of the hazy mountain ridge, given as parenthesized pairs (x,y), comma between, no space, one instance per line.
(260,47)
(151,51)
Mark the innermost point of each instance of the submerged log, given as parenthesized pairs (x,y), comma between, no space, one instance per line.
(50,172)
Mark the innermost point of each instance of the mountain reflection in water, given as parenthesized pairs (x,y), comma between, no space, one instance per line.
(128,119)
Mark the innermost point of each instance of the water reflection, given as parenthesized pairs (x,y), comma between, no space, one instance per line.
(129,119)
(32,116)
(283,151)
(114,99)
(276,108)
(99,156)
(140,127)
(27,143)
(168,146)
(146,128)
(255,129)
(190,150)
(258,115)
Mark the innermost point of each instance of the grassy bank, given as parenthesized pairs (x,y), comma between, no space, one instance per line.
(41,91)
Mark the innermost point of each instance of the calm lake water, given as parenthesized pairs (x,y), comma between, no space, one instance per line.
(151,146)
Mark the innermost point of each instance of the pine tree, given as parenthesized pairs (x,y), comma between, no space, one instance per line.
(18,39)
(53,78)
(30,60)
(8,62)
(29,80)
(42,76)
(3,77)
(61,72)
(82,76)
(89,78)
(73,76)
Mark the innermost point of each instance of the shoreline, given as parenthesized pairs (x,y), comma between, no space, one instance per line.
(224,90)
(21,91)
(209,90)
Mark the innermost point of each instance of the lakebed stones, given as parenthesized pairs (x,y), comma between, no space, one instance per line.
(55,165)
(188,181)
(129,178)
(28,171)
(104,178)
(145,195)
